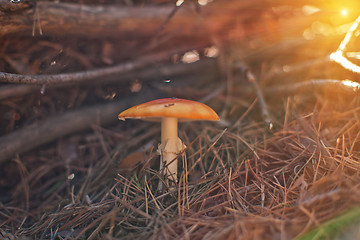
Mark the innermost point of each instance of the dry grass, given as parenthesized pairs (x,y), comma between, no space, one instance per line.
(240,182)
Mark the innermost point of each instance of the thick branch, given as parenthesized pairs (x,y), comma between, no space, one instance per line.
(39,133)
(121,22)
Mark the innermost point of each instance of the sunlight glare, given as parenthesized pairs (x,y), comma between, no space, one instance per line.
(308,34)
(352,84)
(309,10)
(321,28)
(355,55)
(190,57)
(211,52)
(343,61)
(286,68)
(204,2)
(135,86)
(342,29)
(344,12)
(339,57)
(179,2)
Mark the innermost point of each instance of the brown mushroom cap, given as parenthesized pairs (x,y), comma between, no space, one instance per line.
(182,109)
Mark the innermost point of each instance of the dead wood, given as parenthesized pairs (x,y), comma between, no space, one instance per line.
(39,133)
(79,76)
(183,71)
(122,22)
(16,90)
(244,181)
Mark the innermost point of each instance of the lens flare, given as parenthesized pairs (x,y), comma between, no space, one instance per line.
(344,12)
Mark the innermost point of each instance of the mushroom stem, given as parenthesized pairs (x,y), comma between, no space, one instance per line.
(169,128)
(170,147)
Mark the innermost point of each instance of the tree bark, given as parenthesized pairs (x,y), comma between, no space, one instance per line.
(121,22)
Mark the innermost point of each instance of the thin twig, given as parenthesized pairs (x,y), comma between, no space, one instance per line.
(314,85)
(262,102)
(52,79)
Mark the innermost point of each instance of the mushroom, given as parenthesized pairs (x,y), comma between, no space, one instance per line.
(169,111)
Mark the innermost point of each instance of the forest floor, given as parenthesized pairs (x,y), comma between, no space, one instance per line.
(283,162)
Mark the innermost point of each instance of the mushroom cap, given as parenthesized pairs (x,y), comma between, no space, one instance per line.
(184,110)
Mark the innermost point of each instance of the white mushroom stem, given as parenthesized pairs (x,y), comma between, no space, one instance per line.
(170,147)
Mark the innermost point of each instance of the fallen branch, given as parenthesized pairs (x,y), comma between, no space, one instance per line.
(80,76)
(116,21)
(42,132)
(148,73)
(311,86)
